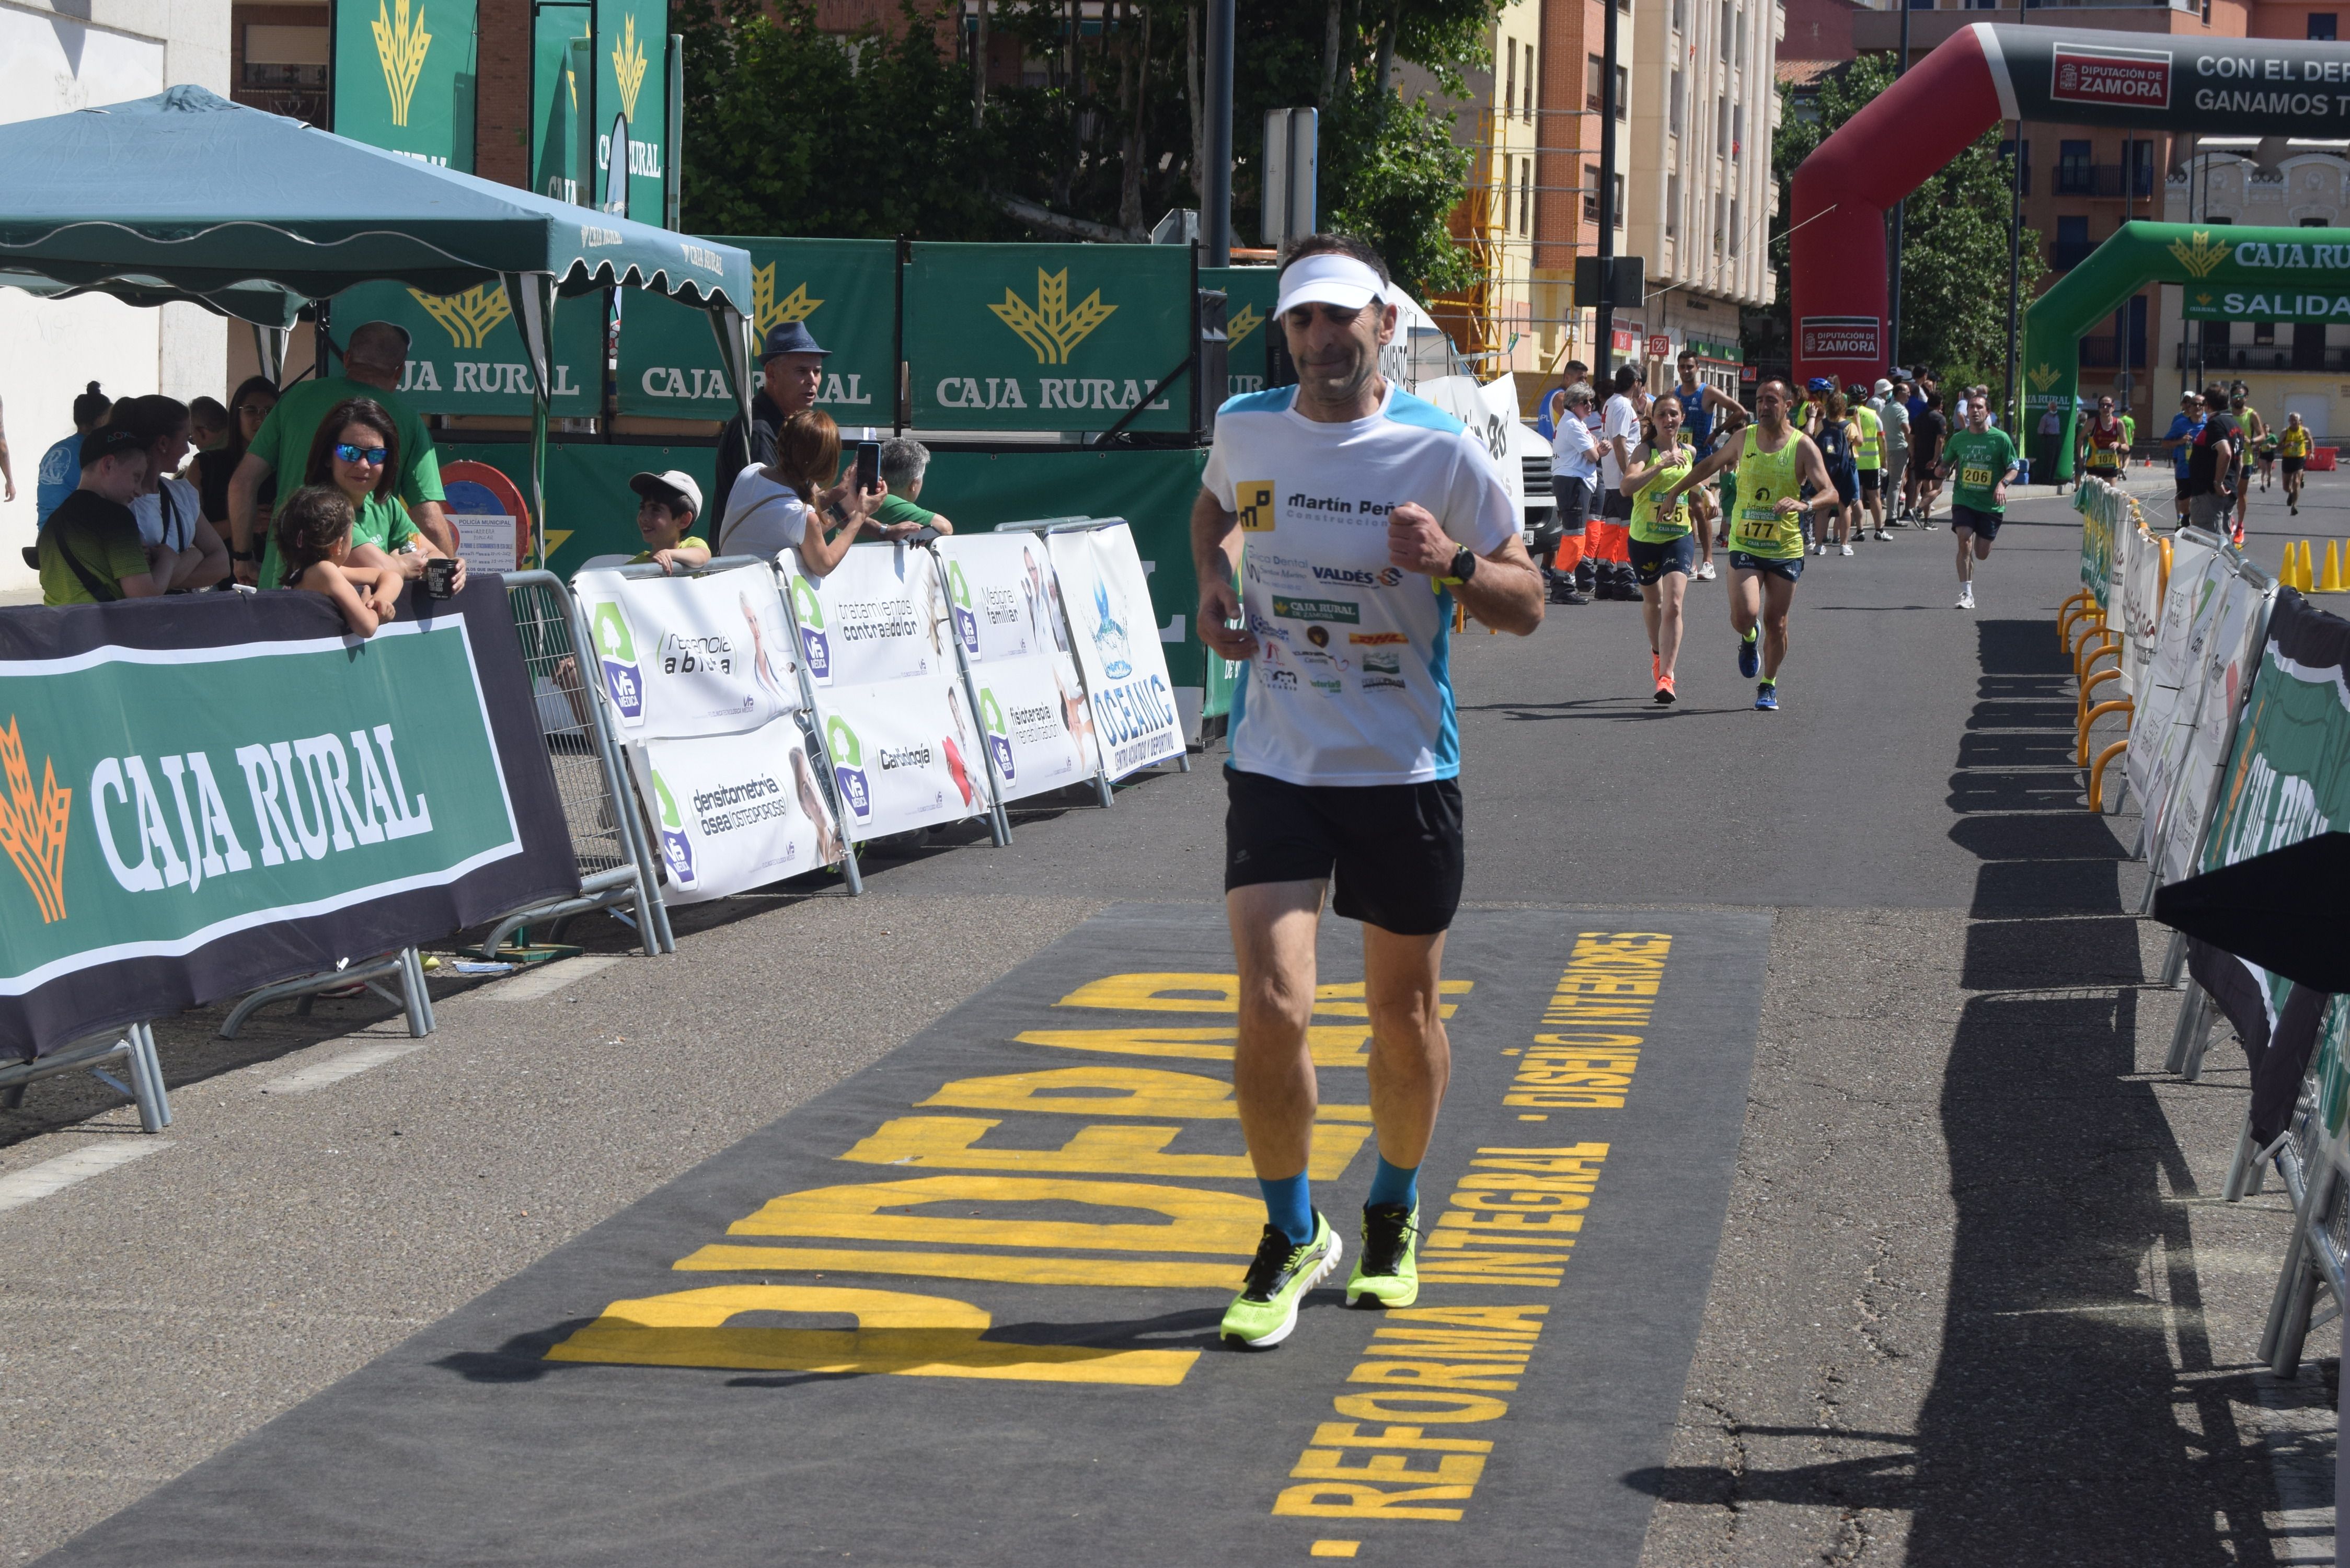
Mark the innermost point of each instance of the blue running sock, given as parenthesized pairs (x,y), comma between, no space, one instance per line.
(1290,1207)
(1394,1184)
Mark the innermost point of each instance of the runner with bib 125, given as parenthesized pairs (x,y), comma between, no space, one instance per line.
(1355,516)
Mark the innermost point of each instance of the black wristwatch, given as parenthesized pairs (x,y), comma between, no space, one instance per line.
(245,555)
(1464,566)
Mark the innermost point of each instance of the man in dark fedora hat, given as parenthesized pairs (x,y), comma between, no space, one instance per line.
(791,363)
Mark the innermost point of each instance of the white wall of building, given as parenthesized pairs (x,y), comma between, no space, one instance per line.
(54,61)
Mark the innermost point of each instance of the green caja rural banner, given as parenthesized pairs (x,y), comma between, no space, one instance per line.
(845,291)
(1249,296)
(200,797)
(1047,338)
(465,353)
(404,77)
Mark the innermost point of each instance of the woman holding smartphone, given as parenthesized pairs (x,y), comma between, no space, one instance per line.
(785,505)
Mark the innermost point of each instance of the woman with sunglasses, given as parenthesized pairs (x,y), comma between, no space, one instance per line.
(357,450)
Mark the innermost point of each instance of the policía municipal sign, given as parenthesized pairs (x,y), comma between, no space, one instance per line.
(1048,338)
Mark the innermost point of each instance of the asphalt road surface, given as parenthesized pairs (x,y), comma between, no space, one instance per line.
(1956,1289)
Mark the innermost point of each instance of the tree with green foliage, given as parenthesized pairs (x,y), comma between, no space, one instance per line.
(792,130)
(1954,257)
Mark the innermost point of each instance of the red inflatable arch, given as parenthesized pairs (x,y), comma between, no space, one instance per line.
(1988,73)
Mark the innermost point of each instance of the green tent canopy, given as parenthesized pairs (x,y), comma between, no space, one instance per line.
(187,196)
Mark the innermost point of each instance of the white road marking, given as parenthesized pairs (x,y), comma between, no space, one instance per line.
(335,1069)
(20,1187)
(549,980)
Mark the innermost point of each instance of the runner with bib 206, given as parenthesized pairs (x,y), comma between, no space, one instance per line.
(1355,515)
(1775,462)
(1981,462)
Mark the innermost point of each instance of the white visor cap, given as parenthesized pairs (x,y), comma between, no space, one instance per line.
(1329,278)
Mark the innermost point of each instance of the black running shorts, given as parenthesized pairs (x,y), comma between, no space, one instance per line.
(1397,850)
(1984,526)
(1768,565)
(1651,562)
(1868,480)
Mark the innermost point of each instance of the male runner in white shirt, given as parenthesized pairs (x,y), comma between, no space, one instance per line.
(1356,514)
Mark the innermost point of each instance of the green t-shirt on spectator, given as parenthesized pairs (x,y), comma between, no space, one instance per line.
(382,522)
(1977,462)
(103,536)
(897,509)
(283,440)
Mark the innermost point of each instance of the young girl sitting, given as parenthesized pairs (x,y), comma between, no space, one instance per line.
(314,542)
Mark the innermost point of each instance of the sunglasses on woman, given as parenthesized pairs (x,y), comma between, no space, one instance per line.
(372,456)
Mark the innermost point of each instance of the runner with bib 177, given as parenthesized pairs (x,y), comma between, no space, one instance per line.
(1355,515)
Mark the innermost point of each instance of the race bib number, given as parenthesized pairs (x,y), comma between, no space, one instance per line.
(1975,477)
(1765,527)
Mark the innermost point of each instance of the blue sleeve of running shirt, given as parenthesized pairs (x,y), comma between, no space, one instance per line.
(1216,477)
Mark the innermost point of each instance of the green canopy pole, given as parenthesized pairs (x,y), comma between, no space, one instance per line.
(531,296)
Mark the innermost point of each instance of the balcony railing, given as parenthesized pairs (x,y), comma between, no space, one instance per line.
(2110,180)
(2329,361)
(2105,354)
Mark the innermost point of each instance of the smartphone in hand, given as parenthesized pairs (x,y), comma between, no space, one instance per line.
(868,467)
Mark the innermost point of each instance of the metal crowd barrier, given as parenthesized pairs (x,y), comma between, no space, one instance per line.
(616,871)
(135,1043)
(2319,1253)
(404,969)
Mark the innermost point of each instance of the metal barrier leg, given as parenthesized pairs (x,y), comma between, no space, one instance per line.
(412,994)
(2245,1170)
(2184,1029)
(147,1079)
(2297,1282)
(1101,785)
(2198,1039)
(2173,972)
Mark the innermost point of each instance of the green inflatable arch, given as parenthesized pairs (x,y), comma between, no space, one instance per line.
(2230,274)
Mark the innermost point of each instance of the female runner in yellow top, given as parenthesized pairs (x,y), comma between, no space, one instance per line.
(1662,547)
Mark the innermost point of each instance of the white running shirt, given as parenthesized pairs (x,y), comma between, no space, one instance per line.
(1349,685)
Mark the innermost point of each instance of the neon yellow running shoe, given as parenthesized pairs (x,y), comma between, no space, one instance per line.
(1264,1312)
(1388,1270)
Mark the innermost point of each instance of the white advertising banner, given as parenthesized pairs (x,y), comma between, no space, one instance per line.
(2222,670)
(734,812)
(1005,599)
(903,755)
(1039,729)
(1116,638)
(2166,695)
(881,615)
(682,656)
(2141,610)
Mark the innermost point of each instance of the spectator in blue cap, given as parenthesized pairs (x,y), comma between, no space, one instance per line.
(791,366)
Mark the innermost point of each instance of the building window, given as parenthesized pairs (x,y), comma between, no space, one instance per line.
(1673,104)
(1729,26)
(1591,192)
(2264,334)
(1531,79)
(1672,206)
(2320,24)
(1680,16)
(1720,126)
(282,56)
(1509,92)
(1623,92)
(1616,185)
(2072,246)
(1721,222)
(1737,128)
(1531,201)
(2076,174)
(1742,40)
(1736,207)
(1595,73)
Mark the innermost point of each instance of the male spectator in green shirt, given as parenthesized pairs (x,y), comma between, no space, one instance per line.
(90,552)
(903,462)
(372,366)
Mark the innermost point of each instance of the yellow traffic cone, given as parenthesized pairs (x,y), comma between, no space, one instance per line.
(2288,567)
(2332,582)
(2305,576)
